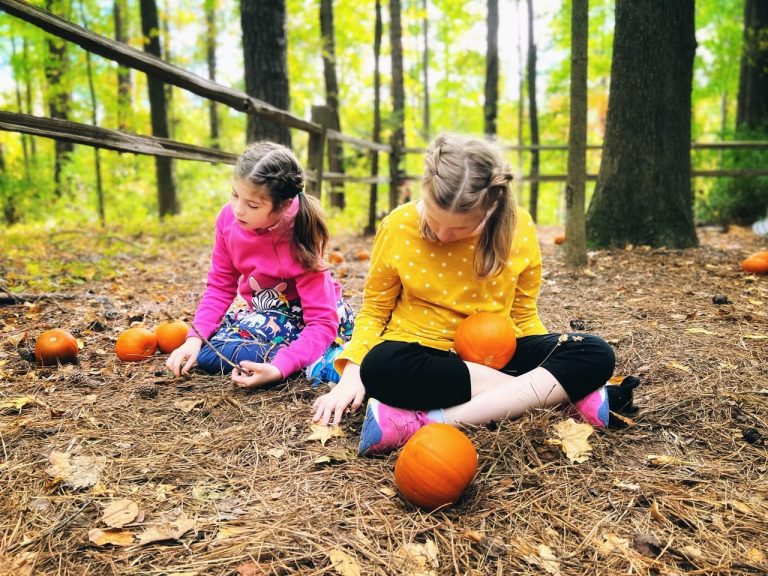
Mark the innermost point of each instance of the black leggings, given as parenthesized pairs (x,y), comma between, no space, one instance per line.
(408,375)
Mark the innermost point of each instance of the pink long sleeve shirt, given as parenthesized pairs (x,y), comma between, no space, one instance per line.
(241,257)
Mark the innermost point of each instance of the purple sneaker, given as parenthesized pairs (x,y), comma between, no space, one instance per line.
(386,428)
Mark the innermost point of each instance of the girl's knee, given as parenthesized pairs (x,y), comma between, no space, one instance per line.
(604,357)
(209,362)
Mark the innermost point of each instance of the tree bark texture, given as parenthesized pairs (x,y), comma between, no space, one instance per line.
(164,168)
(752,111)
(59,99)
(210,56)
(576,245)
(533,115)
(376,136)
(124,109)
(335,148)
(490,109)
(397,138)
(643,193)
(265,50)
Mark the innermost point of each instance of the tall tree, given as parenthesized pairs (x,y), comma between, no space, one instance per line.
(59,99)
(576,246)
(752,110)
(397,138)
(490,109)
(643,193)
(210,57)
(164,167)
(28,95)
(533,114)
(520,85)
(124,86)
(376,136)
(265,50)
(426,128)
(20,108)
(334,147)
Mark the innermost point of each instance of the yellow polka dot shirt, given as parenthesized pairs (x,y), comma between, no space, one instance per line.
(418,290)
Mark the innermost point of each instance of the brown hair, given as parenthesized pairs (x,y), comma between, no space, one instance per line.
(276,168)
(466,174)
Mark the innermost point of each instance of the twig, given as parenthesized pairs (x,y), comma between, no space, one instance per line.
(57,526)
(11,298)
(219,354)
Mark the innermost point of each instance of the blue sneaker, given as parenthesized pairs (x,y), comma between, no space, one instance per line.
(386,428)
(322,370)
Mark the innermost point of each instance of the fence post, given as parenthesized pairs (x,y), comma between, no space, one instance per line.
(316,150)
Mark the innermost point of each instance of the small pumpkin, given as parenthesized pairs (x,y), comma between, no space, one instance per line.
(363,255)
(55,346)
(486,338)
(559,239)
(136,344)
(171,335)
(435,466)
(755,264)
(335,257)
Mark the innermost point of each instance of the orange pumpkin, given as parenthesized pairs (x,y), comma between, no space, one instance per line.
(486,338)
(755,264)
(136,344)
(435,466)
(335,257)
(363,255)
(559,239)
(54,346)
(171,335)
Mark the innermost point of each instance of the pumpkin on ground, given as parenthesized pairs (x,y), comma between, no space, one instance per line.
(363,255)
(55,346)
(486,338)
(136,344)
(559,239)
(435,466)
(756,264)
(171,335)
(335,257)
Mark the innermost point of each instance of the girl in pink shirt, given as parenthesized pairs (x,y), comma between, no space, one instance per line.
(269,246)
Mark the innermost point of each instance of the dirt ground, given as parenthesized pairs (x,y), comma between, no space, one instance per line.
(99,477)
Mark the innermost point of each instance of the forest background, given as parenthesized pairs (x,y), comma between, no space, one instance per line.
(451,98)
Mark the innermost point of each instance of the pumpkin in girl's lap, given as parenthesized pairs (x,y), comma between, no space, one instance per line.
(486,338)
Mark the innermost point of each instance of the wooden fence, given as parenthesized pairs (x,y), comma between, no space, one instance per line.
(316,128)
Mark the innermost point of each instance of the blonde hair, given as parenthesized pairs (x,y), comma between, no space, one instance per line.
(465,175)
(276,168)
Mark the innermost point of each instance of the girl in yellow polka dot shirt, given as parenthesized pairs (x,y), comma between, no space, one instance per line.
(464,247)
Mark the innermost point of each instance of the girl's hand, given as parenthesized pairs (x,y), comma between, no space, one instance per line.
(183,358)
(347,394)
(259,374)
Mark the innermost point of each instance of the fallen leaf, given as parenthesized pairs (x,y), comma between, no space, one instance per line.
(473,535)
(739,506)
(324,433)
(229,531)
(75,471)
(336,456)
(276,452)
(119,513)
(691,552)
(612,543)
(20,564)
(418,559)
(627,420)
(702,331)
(16,404)
(627,486)
(187,406)
(16,339)
(755,556)
(253,568)
(102,537)
(656,512)
(343,563)
(387,491)
(546,559)
(171,531)
(663,460)
(679,366)
(572,438)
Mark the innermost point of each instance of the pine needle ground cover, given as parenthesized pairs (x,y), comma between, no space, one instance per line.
(118,468)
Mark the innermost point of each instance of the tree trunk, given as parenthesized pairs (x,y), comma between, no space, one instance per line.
(521,86)
(124,88)
(59,101)
(28,97)
(265,49)
(533,115)
(576,245)
(752,111)
(490,110)
(164,168)
(643,193)
(376,136)
(168,57)
(335,149)
(397,138)
(20,108)
(210,55)
(427,129)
